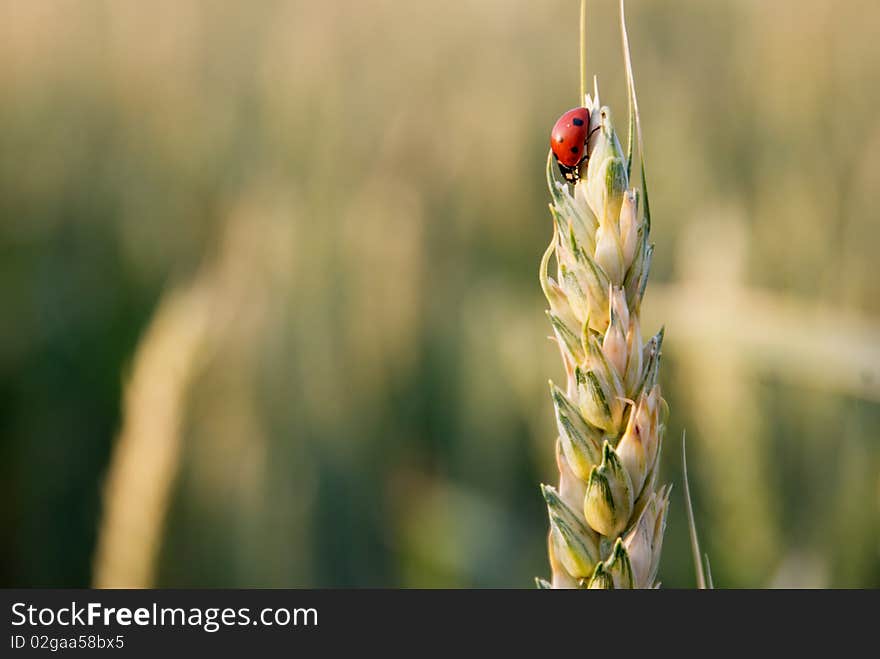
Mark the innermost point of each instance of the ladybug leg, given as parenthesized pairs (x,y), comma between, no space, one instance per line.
(586,143)
(587,140)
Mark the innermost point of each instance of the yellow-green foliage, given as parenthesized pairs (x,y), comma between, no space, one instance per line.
(362,183)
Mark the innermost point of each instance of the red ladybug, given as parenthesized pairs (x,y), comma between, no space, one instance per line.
(568,140)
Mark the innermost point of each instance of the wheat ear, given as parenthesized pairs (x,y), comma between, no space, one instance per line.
(607,515)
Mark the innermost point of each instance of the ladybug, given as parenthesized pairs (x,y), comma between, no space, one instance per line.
(568,141)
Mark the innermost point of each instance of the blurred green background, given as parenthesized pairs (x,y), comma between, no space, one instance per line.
(270,307)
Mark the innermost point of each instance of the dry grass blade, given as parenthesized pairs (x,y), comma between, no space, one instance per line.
(702,583)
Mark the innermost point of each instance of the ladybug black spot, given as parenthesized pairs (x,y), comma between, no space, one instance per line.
(577,121)
(574,149)
(560,139)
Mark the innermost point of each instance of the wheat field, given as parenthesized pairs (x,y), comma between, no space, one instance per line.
(269,298)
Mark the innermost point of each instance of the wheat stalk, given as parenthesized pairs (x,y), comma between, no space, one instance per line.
(607,516)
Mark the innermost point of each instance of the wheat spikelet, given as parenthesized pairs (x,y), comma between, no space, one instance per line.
(607,515)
